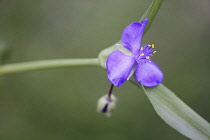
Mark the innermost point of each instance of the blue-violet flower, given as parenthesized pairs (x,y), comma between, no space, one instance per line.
(121,66)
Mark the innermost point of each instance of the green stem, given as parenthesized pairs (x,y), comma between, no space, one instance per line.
(46,64)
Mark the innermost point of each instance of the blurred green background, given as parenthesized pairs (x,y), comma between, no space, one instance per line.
(60,104)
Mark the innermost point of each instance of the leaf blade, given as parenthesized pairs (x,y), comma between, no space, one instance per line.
(177,114)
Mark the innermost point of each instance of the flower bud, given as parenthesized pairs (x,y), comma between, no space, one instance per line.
(106,104)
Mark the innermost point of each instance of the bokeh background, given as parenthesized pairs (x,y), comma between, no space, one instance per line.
(60,104)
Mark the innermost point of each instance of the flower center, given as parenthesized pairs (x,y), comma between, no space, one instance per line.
(144,53)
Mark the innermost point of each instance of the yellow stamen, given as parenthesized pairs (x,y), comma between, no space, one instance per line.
(154,52)
(149,45)
(142,54)
(147,57)
(141,48)
(153,46)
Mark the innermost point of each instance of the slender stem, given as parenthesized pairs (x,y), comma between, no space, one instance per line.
(110,92)
(46,64)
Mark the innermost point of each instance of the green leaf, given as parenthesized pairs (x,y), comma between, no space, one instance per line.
(177,114)
(151,13)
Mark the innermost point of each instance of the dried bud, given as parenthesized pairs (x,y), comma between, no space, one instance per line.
(106,104)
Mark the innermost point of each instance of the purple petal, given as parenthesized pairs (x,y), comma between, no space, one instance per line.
(119,67)
(132,35)
(149,74)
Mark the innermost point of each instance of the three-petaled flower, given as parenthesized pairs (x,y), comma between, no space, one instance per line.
(121,66)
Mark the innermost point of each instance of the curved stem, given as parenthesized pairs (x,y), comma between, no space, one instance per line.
(46,64)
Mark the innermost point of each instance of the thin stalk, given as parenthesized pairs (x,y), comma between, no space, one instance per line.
(46,64)
(110,92)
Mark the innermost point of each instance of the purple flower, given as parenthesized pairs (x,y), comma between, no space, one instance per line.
(121,66)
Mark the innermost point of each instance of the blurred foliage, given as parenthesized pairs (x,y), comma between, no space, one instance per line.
(61,103)
(4,52)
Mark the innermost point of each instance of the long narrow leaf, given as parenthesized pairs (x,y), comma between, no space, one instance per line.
(177,114)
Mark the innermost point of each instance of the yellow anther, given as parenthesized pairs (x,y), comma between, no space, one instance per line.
(142,54)
(154,52)
(153,46)
(149,45)
(141,48)
(147,57)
